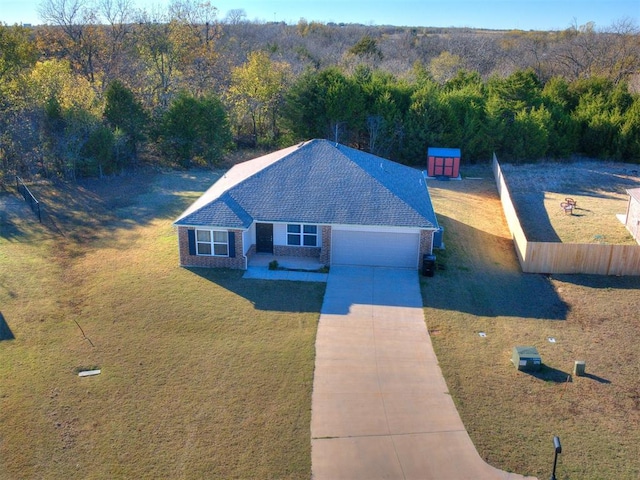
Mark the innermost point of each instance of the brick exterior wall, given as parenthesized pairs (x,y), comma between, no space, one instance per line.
(323,253)
(186,260)
(290,251)
(325,250)
(426,244)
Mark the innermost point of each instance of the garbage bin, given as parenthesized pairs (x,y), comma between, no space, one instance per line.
(428,265)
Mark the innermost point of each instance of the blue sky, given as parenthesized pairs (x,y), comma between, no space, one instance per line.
(494,14)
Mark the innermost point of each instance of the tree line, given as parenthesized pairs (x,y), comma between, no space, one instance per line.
(103,87)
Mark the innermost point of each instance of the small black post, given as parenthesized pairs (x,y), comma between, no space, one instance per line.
(558,449)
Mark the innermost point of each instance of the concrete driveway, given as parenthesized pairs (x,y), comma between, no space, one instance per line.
(380,406)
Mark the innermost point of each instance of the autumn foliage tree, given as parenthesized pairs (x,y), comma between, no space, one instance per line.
(79,94)
(256,95)
(19,121)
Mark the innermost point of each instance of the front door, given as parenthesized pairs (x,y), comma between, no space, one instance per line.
(264,237)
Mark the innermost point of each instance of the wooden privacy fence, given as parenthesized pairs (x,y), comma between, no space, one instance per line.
(553,257)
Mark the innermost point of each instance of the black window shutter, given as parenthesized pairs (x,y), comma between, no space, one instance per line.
(192,241)
(232,244)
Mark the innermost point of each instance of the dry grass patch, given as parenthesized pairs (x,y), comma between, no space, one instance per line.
(599,189)
(512,416)
(204,374)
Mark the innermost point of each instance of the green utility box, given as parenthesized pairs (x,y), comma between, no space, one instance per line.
(526,359)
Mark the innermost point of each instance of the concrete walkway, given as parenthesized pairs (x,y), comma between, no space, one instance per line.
(263,273)
(380,406)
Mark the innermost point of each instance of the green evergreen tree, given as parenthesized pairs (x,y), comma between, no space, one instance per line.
(425,122)
(599,114)
(98,153)
(563,130)
(628,146)
(326,104)
(194,131)
(510,104)
(123,112)
(464,107)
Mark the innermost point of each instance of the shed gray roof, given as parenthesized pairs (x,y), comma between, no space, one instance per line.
(316,182)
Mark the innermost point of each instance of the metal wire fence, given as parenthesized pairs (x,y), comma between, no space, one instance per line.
(28,197)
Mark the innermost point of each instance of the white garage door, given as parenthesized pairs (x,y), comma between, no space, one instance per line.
(378,249)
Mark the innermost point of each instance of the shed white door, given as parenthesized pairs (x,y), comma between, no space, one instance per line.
(377,249)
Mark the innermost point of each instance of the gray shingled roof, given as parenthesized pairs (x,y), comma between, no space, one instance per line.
(315,182)
(635,193)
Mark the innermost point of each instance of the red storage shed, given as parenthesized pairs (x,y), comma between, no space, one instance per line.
(443,162)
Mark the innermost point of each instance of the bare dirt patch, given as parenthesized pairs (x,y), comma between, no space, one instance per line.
(598,188)
(512,416)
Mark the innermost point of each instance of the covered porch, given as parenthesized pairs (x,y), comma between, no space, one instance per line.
(298,269)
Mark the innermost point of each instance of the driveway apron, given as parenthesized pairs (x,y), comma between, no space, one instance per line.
(380,406)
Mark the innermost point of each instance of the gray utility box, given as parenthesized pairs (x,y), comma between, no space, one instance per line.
(526,359)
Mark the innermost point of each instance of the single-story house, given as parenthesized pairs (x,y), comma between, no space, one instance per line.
(317,199)
(632,221)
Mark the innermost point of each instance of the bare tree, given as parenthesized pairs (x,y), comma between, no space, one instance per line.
(78,21)
(196,31)
(157,51)
(119,16)
(530,49)
(621,52)
(576,53)
(581,51)
(235,16)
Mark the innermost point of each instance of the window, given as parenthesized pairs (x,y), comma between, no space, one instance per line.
(302,235)
(212,242)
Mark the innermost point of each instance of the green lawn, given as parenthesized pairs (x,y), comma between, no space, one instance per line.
(513,416)
(204,374)
(208,375)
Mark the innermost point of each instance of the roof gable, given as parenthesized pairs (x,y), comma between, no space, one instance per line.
(316,182)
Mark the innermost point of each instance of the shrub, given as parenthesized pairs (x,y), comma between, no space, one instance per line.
(194,131)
